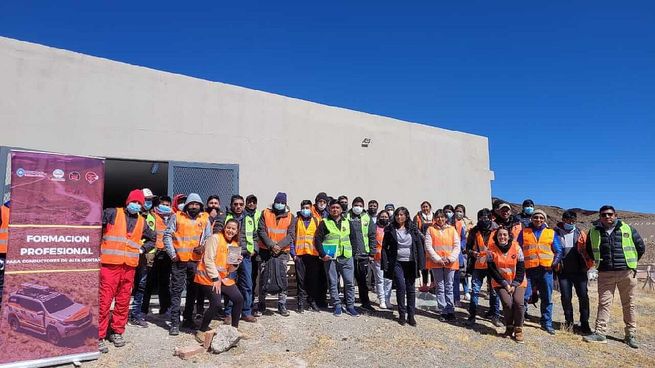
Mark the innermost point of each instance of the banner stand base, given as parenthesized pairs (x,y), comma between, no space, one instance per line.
(47,362)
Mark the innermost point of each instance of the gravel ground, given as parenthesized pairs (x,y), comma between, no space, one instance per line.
(322,340)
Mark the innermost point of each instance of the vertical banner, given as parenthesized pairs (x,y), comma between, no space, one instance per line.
(49,312)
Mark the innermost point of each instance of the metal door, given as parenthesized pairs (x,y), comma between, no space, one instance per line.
(203,178)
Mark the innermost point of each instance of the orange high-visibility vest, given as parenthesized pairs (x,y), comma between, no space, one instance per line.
(482,249)
(277,230)
(202,277)
(379,236)
(506,264)
(118,246)
(538,252)
(4,229)
(305,237)
(188,234)
(459,224)
(160,226)
(419,222)
(443,242)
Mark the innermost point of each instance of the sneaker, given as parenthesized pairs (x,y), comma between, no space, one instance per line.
(518,335)
(383,305)
(450,317)
(102,346)
(497,322)
(117,339)
(509,331)
(351,311)
(249,319)
(368,307)
(314,307)
(595,337)
(257,313)
(550,331)
(283,311)
(138,323)
(301,309)
(631,340)
(441,318)
(337,311)
(174,331)
(467,297)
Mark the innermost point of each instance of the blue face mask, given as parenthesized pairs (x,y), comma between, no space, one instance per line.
(305,212)
(147,205)
(279,206)
(569,227)
(133,208)
(449,214)
(162,208)
(528,210)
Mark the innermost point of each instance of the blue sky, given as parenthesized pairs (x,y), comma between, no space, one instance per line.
(565,90)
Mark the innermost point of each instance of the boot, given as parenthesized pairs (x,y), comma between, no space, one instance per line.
(411,320)
(518,334)
(401,318)
(509,331)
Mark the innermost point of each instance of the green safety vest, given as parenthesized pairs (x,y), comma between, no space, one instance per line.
(338,239)
(366,221)
(629,249)
(251,225)
(150,221)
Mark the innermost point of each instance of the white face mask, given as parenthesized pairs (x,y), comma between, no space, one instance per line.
(180,207)
(357,210)
(321,206)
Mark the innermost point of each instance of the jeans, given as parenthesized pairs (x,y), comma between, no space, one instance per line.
(361,270)
(477,282)
(244,283)
(182,275)
(382,285)
(444,279)
(341,267)
(566,284)
(140,279)
(456,282)
(541,279)
(405,275)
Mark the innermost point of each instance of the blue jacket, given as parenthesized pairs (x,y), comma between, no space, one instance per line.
(556,247)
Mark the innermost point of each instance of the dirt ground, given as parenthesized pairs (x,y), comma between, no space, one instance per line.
(322,340)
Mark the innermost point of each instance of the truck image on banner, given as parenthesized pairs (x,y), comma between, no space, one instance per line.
(49,310)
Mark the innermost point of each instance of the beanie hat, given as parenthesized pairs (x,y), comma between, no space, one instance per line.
(280,198)
(528,202)
(135,195)
(539,212)
(321,196)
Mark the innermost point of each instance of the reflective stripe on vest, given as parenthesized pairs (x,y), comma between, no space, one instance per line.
(627,243)
(160,227)
(506,264)
(538,252)
(118,246)
(338,240)
(277,229)
(482,249)
(4,229)
(188,234)
(442,243)
(202,277)
(365,220)
(305,237)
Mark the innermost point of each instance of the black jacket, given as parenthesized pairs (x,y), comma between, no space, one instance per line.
(390,250)
(611,249)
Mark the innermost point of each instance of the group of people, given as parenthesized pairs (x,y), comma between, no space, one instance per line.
(183,243)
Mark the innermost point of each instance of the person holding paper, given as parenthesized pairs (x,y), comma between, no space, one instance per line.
(212,275)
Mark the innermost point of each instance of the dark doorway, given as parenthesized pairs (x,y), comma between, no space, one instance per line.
(122,176)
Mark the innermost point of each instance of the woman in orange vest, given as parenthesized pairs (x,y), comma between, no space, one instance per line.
(382,284)
(305,256)
(213,273)
(506,265)
(442,247)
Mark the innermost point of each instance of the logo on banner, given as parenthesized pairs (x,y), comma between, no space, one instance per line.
(91,177)
(20,172)
(74,176)
(30,173)
(58,175)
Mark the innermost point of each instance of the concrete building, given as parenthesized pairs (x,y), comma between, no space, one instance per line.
(150,125)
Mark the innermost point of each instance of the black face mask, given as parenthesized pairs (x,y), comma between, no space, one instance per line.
(193,212)
(383,222)
(344,206)
(484,224)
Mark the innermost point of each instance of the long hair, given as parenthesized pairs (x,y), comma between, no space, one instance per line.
(236,236)
(408,220)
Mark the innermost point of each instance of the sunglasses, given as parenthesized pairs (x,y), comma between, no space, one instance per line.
(607,214)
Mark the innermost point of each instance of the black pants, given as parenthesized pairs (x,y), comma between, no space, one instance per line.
(308,271)
(426,276)
(405,276)
(159,278)
(361,270)
(200,303)
(2,273)
(182,274)
(566,284)
(230,292)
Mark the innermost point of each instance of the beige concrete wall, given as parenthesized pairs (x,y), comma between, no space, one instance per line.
(63,101)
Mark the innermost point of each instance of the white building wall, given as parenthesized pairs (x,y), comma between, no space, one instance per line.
(62,101)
